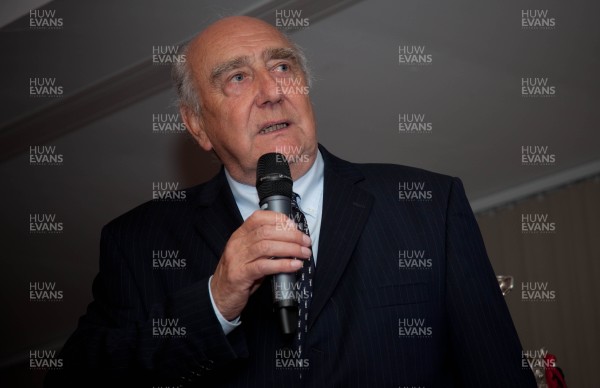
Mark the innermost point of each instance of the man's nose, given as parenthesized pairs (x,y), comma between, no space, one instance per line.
(268,91)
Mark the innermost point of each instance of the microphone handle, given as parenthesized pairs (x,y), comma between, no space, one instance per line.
(282,284)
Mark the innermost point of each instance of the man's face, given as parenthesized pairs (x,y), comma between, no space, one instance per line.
(253,100)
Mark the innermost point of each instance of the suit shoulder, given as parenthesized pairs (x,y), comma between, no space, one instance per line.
(387,171)
(373,172)
(409,184)
(170,205)
(414,190)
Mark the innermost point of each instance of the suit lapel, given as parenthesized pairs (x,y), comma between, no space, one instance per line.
(218,215)
(346,208)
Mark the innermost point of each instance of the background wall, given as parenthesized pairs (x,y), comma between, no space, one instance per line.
(562,315)
(111,133)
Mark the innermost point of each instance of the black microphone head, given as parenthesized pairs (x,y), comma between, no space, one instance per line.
(273,176)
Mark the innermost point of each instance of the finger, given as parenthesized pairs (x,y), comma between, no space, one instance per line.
(263,267)
(266,217)
(287,233)
(269,248)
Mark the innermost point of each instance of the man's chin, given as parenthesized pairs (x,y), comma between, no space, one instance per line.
(294,153)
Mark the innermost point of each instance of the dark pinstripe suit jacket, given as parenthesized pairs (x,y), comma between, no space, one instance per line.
(404,295)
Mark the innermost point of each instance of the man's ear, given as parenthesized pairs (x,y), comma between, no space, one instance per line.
(195,126)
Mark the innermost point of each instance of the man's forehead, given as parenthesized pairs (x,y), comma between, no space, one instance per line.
(216,45)
(265,54)
(235,46)
(239,32)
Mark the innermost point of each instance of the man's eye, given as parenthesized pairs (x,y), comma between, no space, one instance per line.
(283,67)
(237,78)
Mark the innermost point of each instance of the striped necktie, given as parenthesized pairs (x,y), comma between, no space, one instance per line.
(305,278)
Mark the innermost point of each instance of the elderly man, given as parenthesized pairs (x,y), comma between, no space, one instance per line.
(403,294)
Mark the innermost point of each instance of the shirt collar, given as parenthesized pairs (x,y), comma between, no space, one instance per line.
(310,187)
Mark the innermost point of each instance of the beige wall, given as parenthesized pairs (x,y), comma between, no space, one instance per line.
(568,260)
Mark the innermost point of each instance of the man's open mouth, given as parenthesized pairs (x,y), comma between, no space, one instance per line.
(274,127)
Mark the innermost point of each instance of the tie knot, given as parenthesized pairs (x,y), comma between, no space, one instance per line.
(297,214)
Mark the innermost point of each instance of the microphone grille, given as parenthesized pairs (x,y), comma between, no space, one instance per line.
(273,176)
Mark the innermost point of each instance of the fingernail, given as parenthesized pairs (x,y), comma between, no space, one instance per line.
(305,251)
(296,264)
(306,240)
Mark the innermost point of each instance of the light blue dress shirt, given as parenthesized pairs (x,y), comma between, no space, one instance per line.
(310,190)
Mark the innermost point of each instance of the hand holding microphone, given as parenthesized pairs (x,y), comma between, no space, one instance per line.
(246,259)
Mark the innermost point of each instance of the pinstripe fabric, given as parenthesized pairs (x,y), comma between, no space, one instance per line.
(362,298)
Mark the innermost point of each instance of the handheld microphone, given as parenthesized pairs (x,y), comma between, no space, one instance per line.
(274,185)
